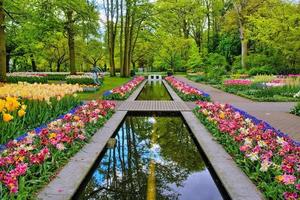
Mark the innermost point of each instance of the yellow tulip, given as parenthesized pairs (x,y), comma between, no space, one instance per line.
(2,105)
(24,107)
(21,113)
(52,135)
(7,117)
(11,103)
(222,115)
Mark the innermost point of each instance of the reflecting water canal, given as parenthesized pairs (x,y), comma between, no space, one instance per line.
(154,157)
(154,90)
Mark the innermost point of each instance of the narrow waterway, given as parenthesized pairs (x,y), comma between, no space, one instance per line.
(154,90)
(155,157)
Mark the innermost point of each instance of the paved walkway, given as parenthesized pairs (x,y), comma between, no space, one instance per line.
(275,113)
(153,106)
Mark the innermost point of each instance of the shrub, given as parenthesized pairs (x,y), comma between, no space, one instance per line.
(81,79)
(216,60)
(265,70)
(28,79)
(57,77)
(296,110)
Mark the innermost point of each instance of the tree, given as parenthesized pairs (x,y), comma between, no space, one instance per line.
(112,17)
(243,9)
(2,43)
(93,53)
(278,30)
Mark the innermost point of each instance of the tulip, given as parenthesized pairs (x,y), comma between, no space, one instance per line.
(7,117)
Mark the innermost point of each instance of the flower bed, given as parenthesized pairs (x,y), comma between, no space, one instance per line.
(28,164)
(26,106)
(39,91)
(124,91)
(270,158)
(264,88)
(185,91)
(237,82)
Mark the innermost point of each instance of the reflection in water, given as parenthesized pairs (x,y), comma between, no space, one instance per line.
(154,90)
(155,158)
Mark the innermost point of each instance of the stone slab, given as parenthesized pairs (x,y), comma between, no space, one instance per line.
(153,106)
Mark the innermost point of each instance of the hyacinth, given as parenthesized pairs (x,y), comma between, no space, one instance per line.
(238,82)
(26,74)
(259,143)
(38,91)
(185,88)
(82,76)
(38,145)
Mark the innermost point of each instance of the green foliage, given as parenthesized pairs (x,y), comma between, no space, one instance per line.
(37,114)
(36,33)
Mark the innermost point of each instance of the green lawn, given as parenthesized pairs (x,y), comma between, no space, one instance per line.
(109,83)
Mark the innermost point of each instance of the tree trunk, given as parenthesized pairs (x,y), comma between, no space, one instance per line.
(2,44)
(71,41)
(33,64)
(7,61)
(58,66)
(121,41)
(132,20)
(127,41)
(198,41)
(244,47)
(208,25)
(185,29)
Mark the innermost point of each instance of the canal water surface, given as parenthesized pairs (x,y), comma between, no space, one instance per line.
(154,90)
(154,157)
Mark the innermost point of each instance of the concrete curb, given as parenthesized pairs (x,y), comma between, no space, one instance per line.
(173,94)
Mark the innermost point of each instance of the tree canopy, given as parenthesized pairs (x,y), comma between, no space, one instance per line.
(154,35)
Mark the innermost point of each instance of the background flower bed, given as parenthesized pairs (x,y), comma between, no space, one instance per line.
(124,91)
(26,166)
(260,87)
(45,77)
(43,103)
(185,91)
(269,158)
